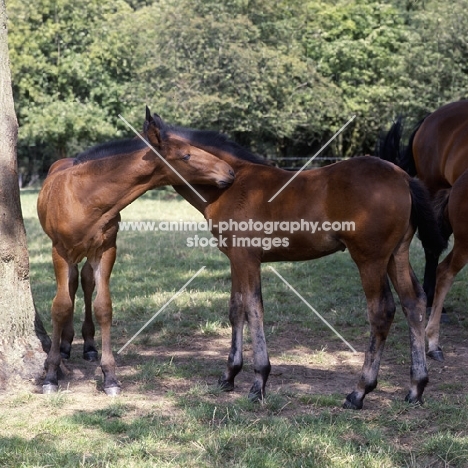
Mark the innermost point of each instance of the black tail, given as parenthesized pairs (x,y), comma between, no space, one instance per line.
(407,159)
(389,147)
(424,219)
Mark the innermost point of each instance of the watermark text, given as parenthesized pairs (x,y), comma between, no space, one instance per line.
(250,225)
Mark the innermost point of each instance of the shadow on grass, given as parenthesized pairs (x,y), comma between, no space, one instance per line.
(38,451)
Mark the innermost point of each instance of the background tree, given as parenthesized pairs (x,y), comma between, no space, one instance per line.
(280,77)
(237,67)
(20,350)
(70,61)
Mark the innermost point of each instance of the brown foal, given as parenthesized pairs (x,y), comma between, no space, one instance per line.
(79,208)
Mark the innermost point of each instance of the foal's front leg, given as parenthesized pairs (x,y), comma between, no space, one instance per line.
(235,359)
(246,303)
(68,332)
(102,269)
(62,317)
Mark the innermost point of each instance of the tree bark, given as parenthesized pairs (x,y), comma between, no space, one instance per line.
(21,351)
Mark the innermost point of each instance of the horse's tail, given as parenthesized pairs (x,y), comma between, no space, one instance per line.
(425,220)
(439,205)
(389,147)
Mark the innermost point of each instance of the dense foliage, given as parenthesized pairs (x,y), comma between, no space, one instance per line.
(279,76)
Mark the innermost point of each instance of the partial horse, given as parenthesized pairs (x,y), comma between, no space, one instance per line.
(437,154)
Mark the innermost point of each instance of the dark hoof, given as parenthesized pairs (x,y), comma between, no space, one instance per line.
(225,385)
(91,356)
(257,393)
(255,397)
(414,400)
(65,354)
(350,405)
(113,391)
(444,318)
(48,389)
(352,402)
(437,355)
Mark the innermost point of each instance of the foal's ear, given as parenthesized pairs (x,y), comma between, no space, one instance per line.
(151,129)
(158,121)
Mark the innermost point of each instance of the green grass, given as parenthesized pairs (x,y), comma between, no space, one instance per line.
(171,413)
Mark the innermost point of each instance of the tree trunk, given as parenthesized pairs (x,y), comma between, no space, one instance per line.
(21,351)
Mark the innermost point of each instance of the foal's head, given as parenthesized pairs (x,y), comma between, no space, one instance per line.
(194,164)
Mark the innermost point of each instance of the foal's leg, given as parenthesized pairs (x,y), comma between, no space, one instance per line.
(68,331)
(413,302)
(62,314)
(88,330)
(381,310)
(254,309)
(430,276)
(102,269)
(446,273)
(246,302)
(237,319)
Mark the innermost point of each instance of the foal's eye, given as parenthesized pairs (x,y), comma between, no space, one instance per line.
(186,157)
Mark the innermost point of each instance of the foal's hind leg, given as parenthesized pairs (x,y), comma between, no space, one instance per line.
(381,310)
(88,330)
(446,273)
(413,302)
(68,331)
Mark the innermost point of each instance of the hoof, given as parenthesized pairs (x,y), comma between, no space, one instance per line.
(113,391)
(91,356)
(350,405)
(414,400)
(257,392)
(225,385)
(352,402)
(444,317)
(65,355)
(255,397)
(437,355)
(48,389)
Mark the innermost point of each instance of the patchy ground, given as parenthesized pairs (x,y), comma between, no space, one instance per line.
(301,370)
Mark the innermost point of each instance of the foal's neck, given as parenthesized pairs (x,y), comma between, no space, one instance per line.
(110,184)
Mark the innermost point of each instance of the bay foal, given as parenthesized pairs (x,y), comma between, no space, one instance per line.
(386,205)
(79,209)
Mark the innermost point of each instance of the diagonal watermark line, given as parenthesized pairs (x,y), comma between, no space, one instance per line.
(313,310)
(180,291)
(312,158)
(149,146)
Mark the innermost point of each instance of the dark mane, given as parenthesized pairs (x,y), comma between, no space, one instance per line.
(108,149)
(213,139)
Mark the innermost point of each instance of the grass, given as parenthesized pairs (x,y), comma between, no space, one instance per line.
(171,414)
